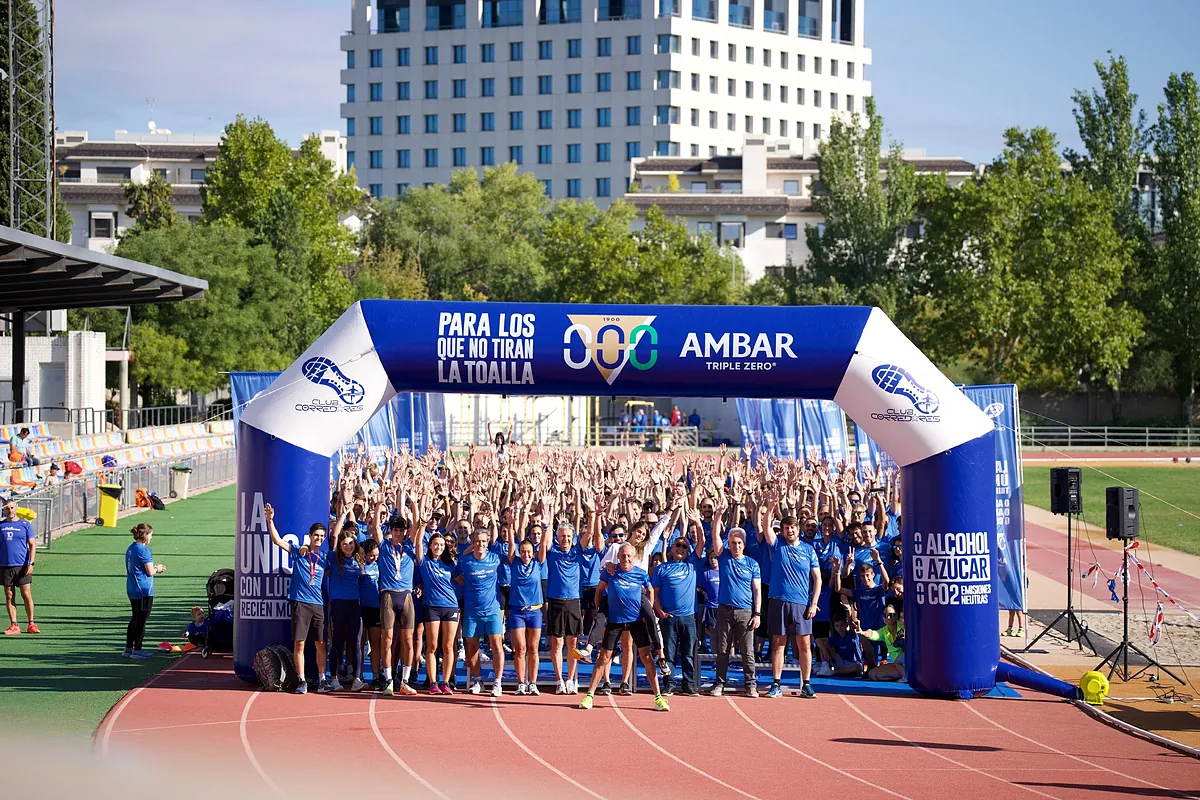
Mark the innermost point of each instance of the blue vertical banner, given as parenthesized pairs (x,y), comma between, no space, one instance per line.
(243,386)
(810,428)
(400,407)
(420,411)
(869,454)
(833,433)
(785,418)
(771,426)
(1001,404)
(438,435)
(750,418)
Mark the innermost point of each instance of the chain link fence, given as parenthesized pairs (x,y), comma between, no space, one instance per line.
(77,501)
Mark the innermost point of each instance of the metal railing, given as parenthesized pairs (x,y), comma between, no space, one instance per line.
(76,501)
(178,415)
(1109,436)
(84,421)
(624,436)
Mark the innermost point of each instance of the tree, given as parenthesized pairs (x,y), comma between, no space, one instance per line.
(1022,266)
(1177,152)
(150,203)
(592,256)
(236,326)
(251,162)
(388,274)
(472,238)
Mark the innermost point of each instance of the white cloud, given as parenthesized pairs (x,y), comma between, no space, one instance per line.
(202,62)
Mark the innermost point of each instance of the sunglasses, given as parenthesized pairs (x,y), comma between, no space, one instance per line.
(681,544)
(889,616)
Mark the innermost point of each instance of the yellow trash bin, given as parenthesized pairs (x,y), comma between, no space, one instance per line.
(110,504)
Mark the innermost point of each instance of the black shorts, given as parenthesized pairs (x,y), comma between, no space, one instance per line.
(587,599)
(440,614)
(15,576)
(370,616)
(820,628)
(566,617)
(787,619)
(614,630)
(308,621)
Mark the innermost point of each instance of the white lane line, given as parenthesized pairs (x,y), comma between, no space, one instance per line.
(981,715)
(251,721)
(403,764)
(537,758)
(942,756)
(111,722)
(674,757)
(813,759)
(262,773)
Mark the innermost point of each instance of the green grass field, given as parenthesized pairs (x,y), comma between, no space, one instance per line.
(64,680)
(1161,524)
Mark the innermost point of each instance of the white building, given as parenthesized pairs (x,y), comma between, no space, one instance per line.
(758,202)
(574,90)
(92,171)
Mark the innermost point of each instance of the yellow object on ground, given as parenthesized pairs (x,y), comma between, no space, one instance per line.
(1095,688)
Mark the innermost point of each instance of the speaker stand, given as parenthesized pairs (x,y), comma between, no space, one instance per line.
(1076,631)
(1119,658)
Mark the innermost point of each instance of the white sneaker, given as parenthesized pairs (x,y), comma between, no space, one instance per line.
(462,654)
(486,658)
(497,689)
(476,687)
(358,685)
(823,670)
(561,688)
(521,689)
(533,690)
(572,687)
(336,686)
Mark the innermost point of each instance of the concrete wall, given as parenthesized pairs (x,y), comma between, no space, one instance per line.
(78,356)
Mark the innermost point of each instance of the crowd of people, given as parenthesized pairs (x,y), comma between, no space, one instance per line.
(652,558)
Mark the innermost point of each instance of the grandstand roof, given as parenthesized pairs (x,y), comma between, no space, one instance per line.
(38,274)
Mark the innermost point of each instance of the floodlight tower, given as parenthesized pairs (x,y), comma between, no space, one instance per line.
(28,90)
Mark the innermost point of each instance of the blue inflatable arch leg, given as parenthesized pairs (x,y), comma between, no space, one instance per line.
(852,355)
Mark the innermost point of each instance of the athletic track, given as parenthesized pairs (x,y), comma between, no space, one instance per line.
(278,745)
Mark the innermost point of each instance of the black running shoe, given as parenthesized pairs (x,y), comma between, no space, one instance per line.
(605,689)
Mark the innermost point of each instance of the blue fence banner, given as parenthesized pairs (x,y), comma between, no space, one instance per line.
(869,454)
(243,386)
(785,419)
(853,356)
(1001,404)
(824,426)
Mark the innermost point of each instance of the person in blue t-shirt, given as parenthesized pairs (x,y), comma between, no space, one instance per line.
(439,606)
(345,608)
(563,560)
(709,584)
(368,600)
(525,603)
(304,590)
(626,585)
(738,601)
(397,608)
(847,648)
(625,421)
(477,571)
(18,549)
(795,588)
(140,570)
(674,585)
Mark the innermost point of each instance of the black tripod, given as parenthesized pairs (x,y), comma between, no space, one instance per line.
(1076,631)
(1119,657)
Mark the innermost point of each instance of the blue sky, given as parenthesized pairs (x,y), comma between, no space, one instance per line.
(949,75)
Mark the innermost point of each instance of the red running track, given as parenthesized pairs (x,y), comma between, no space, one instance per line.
(458,748)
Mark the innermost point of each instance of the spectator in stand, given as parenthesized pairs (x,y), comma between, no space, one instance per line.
(676,417)
(18,550)
(18,450)
(639,426)
(53,476)
(694,418)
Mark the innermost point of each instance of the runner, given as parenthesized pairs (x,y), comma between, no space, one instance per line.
(525,608)
(345,609)
(626,587)
(435,562)
(304,590)
(397,613)
(737,607)
(563,561)
(368,599)
(674,584)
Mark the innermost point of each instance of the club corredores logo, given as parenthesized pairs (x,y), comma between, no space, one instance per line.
(324,372)
(610,343)
(898,381)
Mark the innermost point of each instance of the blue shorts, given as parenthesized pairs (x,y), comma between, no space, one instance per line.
(787,619)
(475,626)
(525,618)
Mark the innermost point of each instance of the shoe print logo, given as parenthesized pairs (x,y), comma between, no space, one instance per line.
(896,380)
(324,372)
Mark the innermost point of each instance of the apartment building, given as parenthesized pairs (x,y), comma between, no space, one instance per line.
(757,201)
(575,90)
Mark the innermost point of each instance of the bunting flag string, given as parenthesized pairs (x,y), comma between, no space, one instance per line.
(1095,571)
(1156,625)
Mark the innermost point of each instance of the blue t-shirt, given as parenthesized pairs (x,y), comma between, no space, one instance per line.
(737,575)
(675,582)
(14,542)
(563,575)
(589,567)
(137,582)
(625,595)
(396,566)
(343,580)
(368,585)
(710,582)
(479,582)
(307,576)
(848,647)
(791,571)
(504,575)
(197,630)
(437,578)
(526,591)
(870,601)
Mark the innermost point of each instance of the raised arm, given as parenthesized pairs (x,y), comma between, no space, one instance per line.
(276,539)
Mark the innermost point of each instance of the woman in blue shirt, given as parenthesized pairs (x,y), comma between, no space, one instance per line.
(525,602)
(368,601)
(435,563)
(140,570)
(345,609)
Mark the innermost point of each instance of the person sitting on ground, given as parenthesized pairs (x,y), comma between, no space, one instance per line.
(892,635)
(847,647)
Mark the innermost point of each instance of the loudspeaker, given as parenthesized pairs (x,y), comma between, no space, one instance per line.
(1121,505)
(1066,490)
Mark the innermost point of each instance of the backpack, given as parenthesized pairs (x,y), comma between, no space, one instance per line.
(72,468)
(156,502)
(141,499)
(275,670)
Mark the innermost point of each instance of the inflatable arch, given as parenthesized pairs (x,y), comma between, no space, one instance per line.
(854,356)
